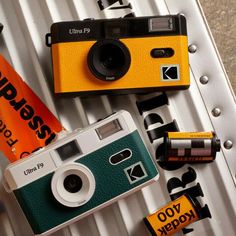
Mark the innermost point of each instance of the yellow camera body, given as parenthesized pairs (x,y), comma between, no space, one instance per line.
(126,55)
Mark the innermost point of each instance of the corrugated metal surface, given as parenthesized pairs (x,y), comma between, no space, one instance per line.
(22,42)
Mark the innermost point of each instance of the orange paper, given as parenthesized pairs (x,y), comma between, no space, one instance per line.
(26,124)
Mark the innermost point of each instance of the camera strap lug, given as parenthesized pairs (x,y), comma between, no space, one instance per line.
(48,40)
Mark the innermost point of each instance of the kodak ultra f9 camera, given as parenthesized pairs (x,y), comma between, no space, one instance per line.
(80,173)
(120,55)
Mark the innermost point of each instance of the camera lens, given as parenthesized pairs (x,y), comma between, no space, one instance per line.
(109,59)
(73,183)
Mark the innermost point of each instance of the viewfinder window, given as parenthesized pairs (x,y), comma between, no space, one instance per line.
(68,150)
(114,30)
(108,129)
(160,24)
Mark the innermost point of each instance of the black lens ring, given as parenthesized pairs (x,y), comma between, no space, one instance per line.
(95,67)
(72,183)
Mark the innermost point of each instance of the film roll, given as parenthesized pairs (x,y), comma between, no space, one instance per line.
(173,217)
(190,147)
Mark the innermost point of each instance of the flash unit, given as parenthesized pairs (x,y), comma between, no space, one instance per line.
(108,129)
(160,24)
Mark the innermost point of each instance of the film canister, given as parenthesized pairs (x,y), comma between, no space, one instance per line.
(173,217)
(190,147)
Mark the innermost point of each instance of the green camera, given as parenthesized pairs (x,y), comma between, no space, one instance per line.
(81,173)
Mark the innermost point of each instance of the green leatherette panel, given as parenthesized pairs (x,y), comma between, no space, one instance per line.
(44,212)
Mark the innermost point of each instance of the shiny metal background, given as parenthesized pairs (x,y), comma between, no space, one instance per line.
(22,43)
(222,21)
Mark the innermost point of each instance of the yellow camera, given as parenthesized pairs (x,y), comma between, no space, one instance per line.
(126,55)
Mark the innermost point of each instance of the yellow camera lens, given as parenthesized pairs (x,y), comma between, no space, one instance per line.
(108,59)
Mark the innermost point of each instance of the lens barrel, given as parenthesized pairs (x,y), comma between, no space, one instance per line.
(73,184)
(109,59)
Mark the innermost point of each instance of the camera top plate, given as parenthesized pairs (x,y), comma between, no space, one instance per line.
(72,31)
